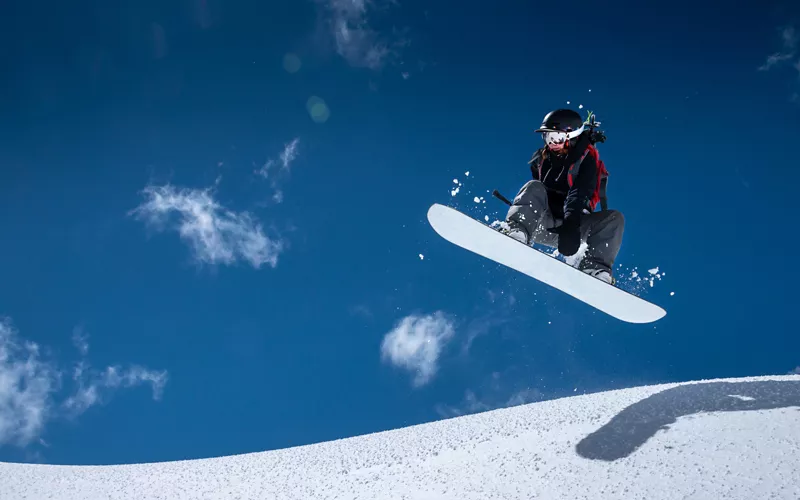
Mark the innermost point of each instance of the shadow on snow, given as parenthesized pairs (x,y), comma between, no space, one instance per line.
(633,426)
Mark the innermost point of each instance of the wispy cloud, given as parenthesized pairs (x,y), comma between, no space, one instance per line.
(29,385)
(415,344)
(493,398)
(490,322)
(216,234)
(499,313)
(775,59)
(26,385)
(287,156)
(524,396)
(273,169)
(81,340)
(357,41)
(289,153)
(361,310)
(789,39)
(470,404)
(95,387)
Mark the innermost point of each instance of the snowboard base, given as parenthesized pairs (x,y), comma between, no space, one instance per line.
(477,237)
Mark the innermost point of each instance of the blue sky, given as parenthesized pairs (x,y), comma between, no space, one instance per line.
(214,216)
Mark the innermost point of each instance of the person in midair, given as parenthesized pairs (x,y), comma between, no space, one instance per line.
(557,207)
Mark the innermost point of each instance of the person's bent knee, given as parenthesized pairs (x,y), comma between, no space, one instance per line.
(617,218)
(531,189)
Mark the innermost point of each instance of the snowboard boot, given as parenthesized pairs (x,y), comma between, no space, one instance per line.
(516,231)
(601,274)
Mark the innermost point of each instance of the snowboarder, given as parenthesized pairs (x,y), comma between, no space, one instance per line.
(556,208)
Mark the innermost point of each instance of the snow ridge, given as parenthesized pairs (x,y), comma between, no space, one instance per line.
(727,438)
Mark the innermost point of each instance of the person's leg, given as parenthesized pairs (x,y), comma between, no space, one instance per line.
(602,232)
(530,214)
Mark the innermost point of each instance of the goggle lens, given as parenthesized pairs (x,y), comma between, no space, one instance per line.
(554,138)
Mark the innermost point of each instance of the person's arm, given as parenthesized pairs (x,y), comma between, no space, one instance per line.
(583,187)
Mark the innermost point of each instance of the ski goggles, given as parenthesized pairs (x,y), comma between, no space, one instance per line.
(559,138)
(554,138)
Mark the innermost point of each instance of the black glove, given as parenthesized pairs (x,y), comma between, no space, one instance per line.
(569,235)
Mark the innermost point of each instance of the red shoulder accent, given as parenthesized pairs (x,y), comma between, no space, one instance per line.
(602,173)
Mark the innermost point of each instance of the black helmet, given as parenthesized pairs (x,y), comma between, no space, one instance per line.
(562,120)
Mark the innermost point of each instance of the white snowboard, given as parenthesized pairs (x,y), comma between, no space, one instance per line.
(478,237)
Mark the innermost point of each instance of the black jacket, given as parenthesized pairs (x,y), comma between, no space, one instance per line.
(562,199)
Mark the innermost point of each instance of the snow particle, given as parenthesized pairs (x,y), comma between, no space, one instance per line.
(421,257)
(486,218)
(455,190)
(466,173)
(671,294)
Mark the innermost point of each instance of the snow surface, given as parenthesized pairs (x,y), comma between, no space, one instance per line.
(725,438)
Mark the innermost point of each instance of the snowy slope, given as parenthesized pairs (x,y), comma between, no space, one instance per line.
(732,439)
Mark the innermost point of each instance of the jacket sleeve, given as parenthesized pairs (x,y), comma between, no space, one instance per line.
(533,163)
(583,187)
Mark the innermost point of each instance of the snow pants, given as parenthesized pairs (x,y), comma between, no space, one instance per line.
(602,231)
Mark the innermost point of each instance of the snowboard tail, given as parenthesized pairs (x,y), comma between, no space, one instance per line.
(477,237)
